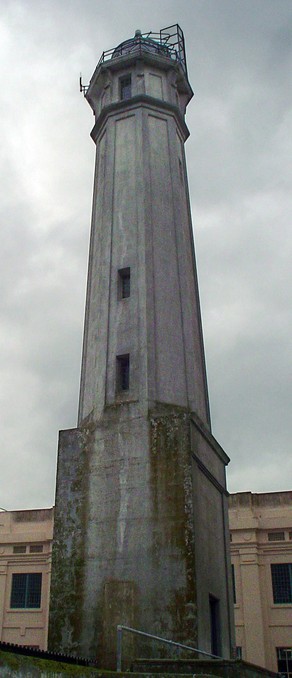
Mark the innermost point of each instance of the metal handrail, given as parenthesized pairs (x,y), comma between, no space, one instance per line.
(139,46)
(121,628)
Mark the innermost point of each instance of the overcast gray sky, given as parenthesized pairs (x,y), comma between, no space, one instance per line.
(239,56)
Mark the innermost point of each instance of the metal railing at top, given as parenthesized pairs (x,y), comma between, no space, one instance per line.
(168,42)
(172,643)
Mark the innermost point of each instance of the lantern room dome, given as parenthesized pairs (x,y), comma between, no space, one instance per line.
(139,44)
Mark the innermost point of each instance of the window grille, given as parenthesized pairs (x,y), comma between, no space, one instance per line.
(276,536)
(26,590)
(283,652)
(36,548)
(19,549)
(282,583)
(284,659)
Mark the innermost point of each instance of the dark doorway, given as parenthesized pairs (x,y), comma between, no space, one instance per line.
(214,605)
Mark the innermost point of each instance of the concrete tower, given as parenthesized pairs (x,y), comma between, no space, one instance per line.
(141,512)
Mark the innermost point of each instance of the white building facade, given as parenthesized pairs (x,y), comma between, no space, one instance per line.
(261,553)
(25,570)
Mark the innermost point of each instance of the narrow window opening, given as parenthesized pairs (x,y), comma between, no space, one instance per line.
(181,170)
(233,583)
(124,283)
(126,87)
(123,372)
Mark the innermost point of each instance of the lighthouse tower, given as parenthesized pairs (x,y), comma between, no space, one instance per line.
(141,504)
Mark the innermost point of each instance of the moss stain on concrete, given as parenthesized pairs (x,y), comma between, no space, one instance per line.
(20,665)
(68,548)
(171,486)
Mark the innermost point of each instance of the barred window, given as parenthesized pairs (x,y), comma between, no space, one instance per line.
(276,536)
(284,659)
(36,548)
(282,583)
(19,549)
(26,590)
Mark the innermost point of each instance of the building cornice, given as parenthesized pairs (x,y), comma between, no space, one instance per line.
(196,420)
(132,104)
(209,475)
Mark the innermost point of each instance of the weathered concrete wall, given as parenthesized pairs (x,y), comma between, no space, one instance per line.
(199,667)
(65,618)
(212,545)
(129,557)
(141,220)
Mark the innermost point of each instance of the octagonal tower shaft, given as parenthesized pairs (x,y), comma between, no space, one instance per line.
(141,227)
(141,502)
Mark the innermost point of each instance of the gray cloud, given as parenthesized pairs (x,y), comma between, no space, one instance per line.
(239,58)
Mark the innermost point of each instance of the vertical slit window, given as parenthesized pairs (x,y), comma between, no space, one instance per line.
(181,170)
(233,583)
(124,283)
(126,87)
(123,373)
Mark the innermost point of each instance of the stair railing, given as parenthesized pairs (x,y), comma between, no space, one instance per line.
(121,628)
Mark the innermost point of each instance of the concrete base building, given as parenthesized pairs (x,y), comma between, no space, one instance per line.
(261,552)
(141,525)
(25,570)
